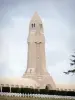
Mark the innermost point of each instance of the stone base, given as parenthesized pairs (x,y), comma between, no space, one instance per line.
(44,80)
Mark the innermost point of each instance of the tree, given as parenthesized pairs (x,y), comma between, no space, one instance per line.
(72,64)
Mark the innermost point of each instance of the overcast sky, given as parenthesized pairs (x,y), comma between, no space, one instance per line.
(58,18)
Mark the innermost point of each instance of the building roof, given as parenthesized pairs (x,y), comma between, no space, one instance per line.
(20,82)
(27,82)
(36,17)
(66,86)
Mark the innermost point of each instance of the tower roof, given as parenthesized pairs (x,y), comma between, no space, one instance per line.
(36,17)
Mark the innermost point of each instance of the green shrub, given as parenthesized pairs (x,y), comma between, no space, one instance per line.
(36,91)
(40,91)
(15,90)
(5,89)
(44,91)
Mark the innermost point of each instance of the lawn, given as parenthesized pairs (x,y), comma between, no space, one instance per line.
(28,98)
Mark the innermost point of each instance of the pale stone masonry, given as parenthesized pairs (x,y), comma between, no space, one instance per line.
(36,63)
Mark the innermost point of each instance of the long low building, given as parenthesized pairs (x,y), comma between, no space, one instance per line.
(65,86)
(18,82)
(30,83)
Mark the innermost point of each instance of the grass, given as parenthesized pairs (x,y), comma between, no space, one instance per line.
(28,98)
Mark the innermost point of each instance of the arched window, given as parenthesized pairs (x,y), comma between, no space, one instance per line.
(32,25)
(12,85)
(2,84)
(26,86)
(7,85)
(21,86)
(48,87)
(31,87)
(17,85)
(40,25)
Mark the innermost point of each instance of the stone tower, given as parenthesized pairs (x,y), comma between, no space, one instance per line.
(36,61)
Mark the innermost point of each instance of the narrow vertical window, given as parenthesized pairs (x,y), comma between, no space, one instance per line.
(32,25)
(40,25)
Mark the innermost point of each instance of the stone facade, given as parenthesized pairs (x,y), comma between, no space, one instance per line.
(36,63)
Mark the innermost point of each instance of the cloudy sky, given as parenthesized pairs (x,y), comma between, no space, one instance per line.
(58,18)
